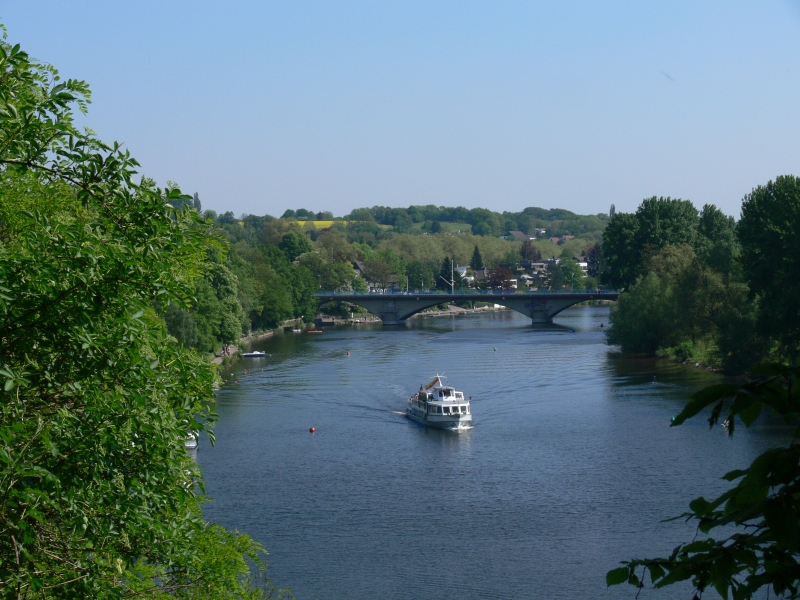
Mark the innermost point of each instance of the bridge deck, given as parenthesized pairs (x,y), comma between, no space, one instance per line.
(478,296)
(395,308)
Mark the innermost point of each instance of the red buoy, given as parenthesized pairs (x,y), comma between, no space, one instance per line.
(312,430)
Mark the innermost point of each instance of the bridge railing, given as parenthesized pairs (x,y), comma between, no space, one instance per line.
(473,292)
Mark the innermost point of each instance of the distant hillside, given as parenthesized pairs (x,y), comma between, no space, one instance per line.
(479,221)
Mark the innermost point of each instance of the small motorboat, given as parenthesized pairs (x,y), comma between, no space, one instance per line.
(191,440)
(297,331)
(254,354)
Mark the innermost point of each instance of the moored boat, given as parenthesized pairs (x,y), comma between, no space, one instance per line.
(440,405)
(254,354)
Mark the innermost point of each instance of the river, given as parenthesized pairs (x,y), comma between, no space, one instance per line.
(570,467)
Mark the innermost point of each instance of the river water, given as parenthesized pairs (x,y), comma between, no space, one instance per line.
(570,467)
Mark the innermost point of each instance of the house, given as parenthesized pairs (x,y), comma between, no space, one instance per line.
(358,267)
(520,237)
(562,238)
(481,275)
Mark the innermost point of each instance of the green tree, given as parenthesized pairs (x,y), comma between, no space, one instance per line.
(331,276)
(642,319)
(361,214)
(566,273)
(421,275)
(295,243)
(384,267)
(664,222)
(630,239)
(620,250)
(717,244)
(217,313)
(768,231)
(477,259)
(446,276)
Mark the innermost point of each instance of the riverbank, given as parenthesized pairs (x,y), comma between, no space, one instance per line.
(456,311)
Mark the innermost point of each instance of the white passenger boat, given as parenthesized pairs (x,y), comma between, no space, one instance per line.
(191,440)
(441,406)
(254,354)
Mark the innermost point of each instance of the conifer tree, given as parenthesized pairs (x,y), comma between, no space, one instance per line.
(477,259)
(445,274)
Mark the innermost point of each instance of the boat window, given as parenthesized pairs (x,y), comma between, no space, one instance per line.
(446,410)
(459,395)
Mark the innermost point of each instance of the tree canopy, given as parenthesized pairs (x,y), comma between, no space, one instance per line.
(98,497)
(769,231)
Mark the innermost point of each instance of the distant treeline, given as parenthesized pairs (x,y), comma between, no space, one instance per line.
(480,221)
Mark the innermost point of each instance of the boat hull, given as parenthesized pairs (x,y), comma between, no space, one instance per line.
(441,421)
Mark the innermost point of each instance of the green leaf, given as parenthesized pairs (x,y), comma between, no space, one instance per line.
(699,505)
(617,576)
(704,398)
(751,413)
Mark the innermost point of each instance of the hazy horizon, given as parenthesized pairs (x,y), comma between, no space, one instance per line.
(261,107)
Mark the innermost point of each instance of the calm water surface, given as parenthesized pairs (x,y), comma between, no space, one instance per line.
(570,467)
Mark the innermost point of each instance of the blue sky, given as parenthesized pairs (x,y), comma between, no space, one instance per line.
(264,106)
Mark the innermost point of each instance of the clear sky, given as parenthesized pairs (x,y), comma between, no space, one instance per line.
(262,106)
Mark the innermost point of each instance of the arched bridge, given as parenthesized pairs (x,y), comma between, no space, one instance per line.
(395,308)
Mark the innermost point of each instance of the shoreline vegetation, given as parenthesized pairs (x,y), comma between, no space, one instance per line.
(99,497)
(700,287)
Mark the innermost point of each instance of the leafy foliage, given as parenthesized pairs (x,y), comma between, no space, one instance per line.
(687,276)
(98,498)
(769,230)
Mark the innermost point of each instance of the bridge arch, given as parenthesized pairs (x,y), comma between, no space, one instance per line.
(395,309)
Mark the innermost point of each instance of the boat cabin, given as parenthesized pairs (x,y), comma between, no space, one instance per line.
(443,401)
